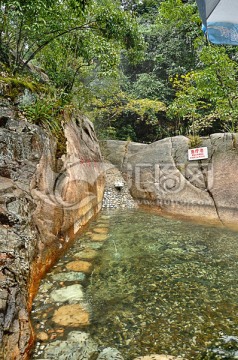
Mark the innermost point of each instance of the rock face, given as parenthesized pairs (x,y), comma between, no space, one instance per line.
(44,203)
(160,174)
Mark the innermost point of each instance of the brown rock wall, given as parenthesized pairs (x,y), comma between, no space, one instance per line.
(44,204)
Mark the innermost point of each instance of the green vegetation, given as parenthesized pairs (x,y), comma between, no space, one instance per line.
(194,141)
(140,69)
(12,86)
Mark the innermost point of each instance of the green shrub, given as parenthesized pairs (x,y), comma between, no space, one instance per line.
(194,141)
(47,112)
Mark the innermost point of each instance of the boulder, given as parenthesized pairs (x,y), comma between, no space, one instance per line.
(160,175)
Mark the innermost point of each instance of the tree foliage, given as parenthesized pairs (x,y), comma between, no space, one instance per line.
(207,98)
(139,68)
(129,118)
(28,27)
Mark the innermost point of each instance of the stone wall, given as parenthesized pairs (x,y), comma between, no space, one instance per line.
(160,174)
(44,204)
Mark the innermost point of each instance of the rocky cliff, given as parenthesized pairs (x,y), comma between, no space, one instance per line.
(44,204)
(160,174)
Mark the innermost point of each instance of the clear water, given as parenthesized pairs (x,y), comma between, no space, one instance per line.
(165,286)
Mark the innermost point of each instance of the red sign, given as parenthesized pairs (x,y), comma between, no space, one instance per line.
(198,153)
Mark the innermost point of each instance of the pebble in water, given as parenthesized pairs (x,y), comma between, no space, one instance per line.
(99,237)
(86,254)
(71,315)
(101,230)
(81,266)
(69,276)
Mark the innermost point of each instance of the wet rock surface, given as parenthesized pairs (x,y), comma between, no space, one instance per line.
(80,265)
(78,346)
(71,294)
(71,315)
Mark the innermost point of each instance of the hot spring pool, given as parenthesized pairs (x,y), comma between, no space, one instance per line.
(166,286)
(158,285)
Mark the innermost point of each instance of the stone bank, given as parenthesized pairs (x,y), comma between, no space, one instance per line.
(45,201)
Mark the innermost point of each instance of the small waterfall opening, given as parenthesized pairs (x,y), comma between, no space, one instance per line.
(117,194)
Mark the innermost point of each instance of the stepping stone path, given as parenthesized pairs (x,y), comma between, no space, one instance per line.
(60,304)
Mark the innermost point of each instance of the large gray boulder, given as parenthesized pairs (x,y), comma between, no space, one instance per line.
(160,174)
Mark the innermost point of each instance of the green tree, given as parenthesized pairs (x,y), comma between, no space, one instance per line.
(28,27)
(207,98)
(169,33)
(125,118)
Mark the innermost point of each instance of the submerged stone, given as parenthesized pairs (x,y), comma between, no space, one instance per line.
(86,254)
(157,357)
(78,346)
(103,224)
(99,237)
(110,354)
(71,315)
(42,336)
(70,293)
(96,245)
(80,265)
(105,217)
(69,276)
(101,230)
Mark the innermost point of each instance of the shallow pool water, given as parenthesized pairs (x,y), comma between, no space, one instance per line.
(161,285)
